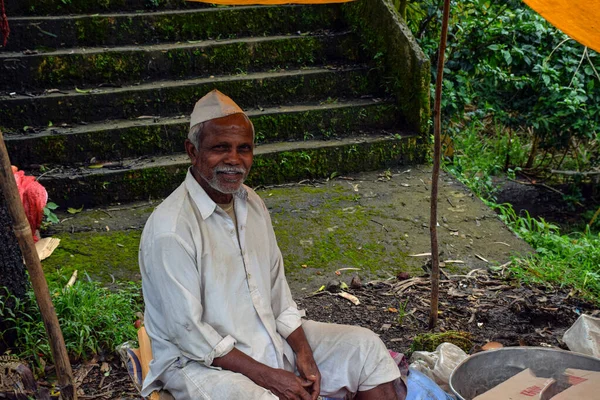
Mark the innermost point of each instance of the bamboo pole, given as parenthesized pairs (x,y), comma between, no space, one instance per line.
(435,176)
(38,280)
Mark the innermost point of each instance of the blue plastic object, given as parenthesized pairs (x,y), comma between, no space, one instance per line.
(420,387)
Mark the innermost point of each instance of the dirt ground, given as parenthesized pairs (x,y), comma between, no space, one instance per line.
(489,306)
(374,225)
(569,206)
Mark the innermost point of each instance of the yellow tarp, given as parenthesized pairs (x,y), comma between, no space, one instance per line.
(580,19)
(251,2)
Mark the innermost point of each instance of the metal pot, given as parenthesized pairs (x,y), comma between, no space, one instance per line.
(482,371)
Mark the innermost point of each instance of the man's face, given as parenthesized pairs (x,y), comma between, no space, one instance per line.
(225,155)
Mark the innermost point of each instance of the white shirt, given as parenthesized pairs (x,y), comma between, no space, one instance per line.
(204,291)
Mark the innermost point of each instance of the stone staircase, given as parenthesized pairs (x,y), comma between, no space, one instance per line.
(95,96)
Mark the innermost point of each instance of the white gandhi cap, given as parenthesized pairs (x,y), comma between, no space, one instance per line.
(213,105)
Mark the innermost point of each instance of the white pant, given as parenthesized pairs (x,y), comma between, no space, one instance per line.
(350,359)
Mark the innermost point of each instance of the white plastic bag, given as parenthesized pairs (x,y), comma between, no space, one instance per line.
(584,336)
(438,365)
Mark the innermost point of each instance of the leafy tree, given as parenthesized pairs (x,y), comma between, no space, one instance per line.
(506,62)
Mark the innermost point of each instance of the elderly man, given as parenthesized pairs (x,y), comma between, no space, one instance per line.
(219,310)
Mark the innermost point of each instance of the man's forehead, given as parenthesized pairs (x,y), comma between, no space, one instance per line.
(236,127)
(214,105)
(235,122)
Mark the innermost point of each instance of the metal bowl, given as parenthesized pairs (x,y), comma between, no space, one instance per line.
(482,371)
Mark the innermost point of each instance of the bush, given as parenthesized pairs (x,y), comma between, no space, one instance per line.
(93,319)
(505,61)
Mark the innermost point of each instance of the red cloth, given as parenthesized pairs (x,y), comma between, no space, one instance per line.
(34,198)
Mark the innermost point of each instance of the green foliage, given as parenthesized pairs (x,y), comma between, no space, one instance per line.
(402,312)
(571,260)
(480,155)
(49,216)
(505,61)
(93,319)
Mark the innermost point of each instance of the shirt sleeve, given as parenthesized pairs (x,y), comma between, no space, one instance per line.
(172,285)
(287,316)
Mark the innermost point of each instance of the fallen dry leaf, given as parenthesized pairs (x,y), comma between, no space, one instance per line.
(350,297)
(420,255)
(491,346)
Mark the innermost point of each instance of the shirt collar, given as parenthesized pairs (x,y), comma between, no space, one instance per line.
(205,204)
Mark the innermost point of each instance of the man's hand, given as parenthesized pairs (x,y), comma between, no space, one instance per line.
(309,371)
(286,385)
(305,362)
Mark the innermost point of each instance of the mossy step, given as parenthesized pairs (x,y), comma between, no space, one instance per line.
(130,64)
(273,163)
(42,33)
(65,7)
(115,140)
(252,90)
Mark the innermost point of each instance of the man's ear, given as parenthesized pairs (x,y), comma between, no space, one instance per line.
(191,150)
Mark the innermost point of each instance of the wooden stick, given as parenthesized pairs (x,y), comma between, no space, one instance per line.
(574,173)
(435,176)
(36,274)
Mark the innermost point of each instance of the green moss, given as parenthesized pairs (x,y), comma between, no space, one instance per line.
(430,341)
(285,166)
(228,22)
(276,90)
(322,162)
(100,254)
(42,7)
(136,141)
(334,232)
(323,123)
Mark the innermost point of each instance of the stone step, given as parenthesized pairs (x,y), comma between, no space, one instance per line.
(122,29)
(116,140)
(88,67)
(156,177)
(65,7)
(254,90)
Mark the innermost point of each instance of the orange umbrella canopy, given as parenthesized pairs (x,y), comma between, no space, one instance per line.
(580,19)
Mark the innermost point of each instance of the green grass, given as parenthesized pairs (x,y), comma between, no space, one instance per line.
(570,260)
(93,319)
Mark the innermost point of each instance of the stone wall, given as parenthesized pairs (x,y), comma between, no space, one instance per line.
(388,42)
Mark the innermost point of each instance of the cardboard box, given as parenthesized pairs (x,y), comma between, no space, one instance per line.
(523,386)
(584,385)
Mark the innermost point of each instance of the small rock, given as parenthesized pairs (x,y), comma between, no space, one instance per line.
(385,327)
(356,283)
(402,276)
(333,286)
